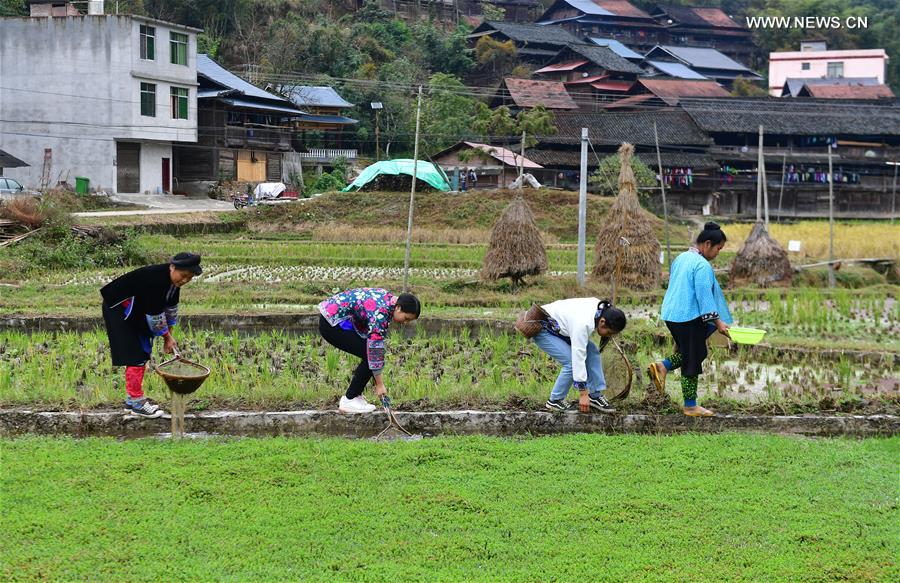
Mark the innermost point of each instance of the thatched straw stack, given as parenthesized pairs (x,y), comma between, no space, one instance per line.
(761,261)
(639,266)
(516,248)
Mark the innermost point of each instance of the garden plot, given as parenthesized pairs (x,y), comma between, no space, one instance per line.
(213,273)
(441,371)
(838,316)
(761,382)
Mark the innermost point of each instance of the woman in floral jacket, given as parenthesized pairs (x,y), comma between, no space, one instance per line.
(356,321)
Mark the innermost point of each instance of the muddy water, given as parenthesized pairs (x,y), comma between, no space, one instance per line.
(758,382)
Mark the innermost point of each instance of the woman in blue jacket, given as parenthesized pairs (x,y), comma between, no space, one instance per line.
(693,308)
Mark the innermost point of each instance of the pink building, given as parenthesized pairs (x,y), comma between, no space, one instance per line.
(814,61)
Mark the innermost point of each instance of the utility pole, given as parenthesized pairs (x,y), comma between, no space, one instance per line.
(377,106)
(662,189)
(830,222)
(765,191)
(894,195)
(781,194)
(412,194)
(582,206)
(377,135)
(759,177)
(522,159)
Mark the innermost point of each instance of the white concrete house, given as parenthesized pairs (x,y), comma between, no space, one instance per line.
(99,96)
(815,61)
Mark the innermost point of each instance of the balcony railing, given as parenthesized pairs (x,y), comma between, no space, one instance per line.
(801,154)
(326,155)
(258,137)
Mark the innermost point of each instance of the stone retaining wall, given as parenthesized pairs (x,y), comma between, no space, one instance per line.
(504,423)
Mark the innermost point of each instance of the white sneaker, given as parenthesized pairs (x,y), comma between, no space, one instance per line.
(355,405)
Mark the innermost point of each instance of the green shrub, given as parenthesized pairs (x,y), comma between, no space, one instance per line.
(58,247)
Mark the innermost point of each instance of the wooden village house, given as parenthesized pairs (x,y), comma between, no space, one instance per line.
(243,132)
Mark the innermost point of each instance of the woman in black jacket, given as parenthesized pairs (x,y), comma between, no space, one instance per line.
(137,307)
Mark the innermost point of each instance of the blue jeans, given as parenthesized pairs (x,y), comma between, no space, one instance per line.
(560,351)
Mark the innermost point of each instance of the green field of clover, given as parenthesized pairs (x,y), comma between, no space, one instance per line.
(576,508)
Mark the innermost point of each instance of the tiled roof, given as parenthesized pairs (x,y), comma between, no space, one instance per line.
(306,96)
(7,160)
(586,80)
(328,119)
(645,100)
(606,58)
(612,85)
(503,155)
(675,70)
(611,8)
(793,85)
(530,33)
(802,117)
(564,66)
(222,76)
(621,8)
(715,17)
(837,81)
(701,57)
(849,91)
(674,127)
(699,16)
(530,93)
(669,90)
(616,47)
(285,110)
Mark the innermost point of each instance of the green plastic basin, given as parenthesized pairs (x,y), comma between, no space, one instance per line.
(746,335)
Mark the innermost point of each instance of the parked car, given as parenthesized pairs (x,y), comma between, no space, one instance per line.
(10,188)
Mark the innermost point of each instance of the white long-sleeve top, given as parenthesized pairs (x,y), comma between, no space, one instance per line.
(576,320)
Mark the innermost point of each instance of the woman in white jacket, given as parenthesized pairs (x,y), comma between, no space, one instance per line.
(566,337)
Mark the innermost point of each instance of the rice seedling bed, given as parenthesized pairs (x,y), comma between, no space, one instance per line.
(280,370)
(256,250)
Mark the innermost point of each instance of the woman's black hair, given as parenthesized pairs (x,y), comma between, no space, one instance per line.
(711,232)
(409,304)
(615,318)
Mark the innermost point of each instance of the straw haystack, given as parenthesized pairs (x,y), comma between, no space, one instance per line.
(626,221)
(761,261)
(516,248)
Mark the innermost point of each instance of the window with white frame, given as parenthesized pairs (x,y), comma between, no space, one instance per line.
(179,99)
(148,42)
(178,45)
(835,70)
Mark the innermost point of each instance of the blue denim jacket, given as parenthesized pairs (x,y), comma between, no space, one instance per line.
(693,291)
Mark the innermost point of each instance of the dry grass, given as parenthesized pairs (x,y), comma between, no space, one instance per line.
(343,232)
(555,211)
(24,210)
(761,260)
(187,218)
(851,240)
(636,265)
(516,248)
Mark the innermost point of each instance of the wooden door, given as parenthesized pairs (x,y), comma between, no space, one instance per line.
(166,175)
(251,166)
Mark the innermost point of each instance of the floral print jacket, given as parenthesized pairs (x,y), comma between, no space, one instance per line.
(367,310)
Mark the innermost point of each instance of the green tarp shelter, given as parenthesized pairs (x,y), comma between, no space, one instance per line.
(425,171)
